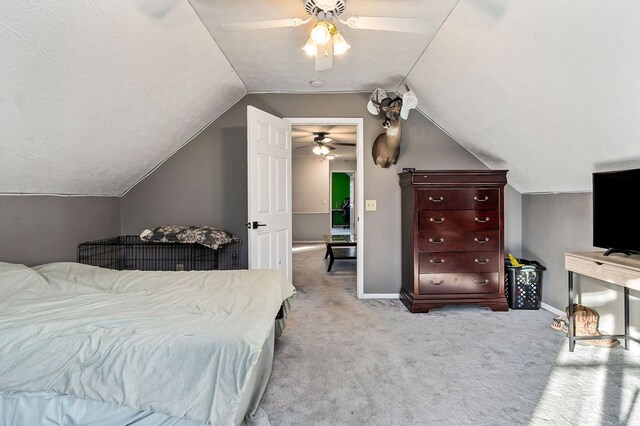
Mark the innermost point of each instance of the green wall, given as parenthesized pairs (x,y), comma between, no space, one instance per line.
(339,191)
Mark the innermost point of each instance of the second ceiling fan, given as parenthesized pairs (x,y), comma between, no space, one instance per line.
(322,144)
(326,40)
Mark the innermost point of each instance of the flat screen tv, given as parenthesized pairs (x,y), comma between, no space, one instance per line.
(616,211)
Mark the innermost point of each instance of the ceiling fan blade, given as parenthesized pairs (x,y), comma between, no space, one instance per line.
(344,144)
(305,146)
(324,58)
(405,25)
(330,147)
(263,25)
(344,132)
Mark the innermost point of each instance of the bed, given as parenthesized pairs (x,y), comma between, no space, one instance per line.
(85,345)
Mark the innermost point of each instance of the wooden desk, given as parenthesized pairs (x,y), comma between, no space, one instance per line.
(343,243)
(617,269)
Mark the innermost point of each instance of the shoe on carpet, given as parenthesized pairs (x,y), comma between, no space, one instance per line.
(560,324)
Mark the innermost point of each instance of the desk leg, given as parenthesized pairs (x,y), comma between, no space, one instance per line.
(331,258)
(327,252)
(570,334)
(626,318)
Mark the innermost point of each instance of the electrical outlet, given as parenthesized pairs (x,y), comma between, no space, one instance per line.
(371,205)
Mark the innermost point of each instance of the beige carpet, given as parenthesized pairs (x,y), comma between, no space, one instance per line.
(344,361)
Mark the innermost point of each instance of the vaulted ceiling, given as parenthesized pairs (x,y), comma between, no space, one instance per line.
(94,95)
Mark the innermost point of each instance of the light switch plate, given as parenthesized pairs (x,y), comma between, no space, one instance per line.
(371,205)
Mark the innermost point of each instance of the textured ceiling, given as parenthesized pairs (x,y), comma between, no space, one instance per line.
(94,95)
(547,89)
(273,60)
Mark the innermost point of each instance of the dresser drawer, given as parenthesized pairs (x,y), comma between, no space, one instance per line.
(435,240)
(461,283)
(433,222)
(480,261)
(458,199)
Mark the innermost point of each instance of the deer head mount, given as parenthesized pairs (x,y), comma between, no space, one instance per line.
(386,147)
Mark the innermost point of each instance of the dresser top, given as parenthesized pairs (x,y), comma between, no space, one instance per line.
(448,177)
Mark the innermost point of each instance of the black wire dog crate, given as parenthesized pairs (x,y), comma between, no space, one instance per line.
(129,252)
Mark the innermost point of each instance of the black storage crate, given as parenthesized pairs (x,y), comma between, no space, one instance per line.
(523,284)
(129,252)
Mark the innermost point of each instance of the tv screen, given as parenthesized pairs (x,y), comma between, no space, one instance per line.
(616,211)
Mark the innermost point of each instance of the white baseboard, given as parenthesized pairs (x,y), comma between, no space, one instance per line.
(381,296)
(552,309)
(307,242)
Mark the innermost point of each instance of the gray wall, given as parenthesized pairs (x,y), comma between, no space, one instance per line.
(42,229)
(553,224)
(205,182)
(339,165)
(310,187)
(310,227)
(310,198)
(513,221)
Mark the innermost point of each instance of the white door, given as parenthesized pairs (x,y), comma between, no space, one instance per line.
(269,183)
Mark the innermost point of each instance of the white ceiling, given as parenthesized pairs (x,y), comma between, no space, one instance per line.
(94,95)
(549,89)
(273,60)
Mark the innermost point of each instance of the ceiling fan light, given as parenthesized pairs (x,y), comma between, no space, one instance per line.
(340,45)
(321,33)
(318,150)
(330,157)
(324,150)
(311,47)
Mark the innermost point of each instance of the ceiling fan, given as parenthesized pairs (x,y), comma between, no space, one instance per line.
(325,39)
(322,144)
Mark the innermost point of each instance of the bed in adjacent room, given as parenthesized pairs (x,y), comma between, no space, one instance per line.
(82,344)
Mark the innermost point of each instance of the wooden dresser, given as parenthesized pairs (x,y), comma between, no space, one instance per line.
(453,238)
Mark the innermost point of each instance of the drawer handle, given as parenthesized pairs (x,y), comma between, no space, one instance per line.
(481,200)
(483,261)
(481,240)
(438,220)
(481,282)
(436,200)
(437,282)
(436,262)
(485,220)
(439,241)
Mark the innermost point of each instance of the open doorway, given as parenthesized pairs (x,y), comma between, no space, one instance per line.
(327,192)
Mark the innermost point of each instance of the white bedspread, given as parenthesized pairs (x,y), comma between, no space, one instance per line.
(180,343)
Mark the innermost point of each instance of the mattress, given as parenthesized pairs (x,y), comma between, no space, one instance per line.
(192,346)
(42,408)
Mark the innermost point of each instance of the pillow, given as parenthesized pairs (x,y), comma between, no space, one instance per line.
(19,280)
(207,236)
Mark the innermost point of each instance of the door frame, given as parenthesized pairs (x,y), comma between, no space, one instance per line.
(359,123)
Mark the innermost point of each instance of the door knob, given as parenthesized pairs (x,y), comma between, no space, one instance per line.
(255,225)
